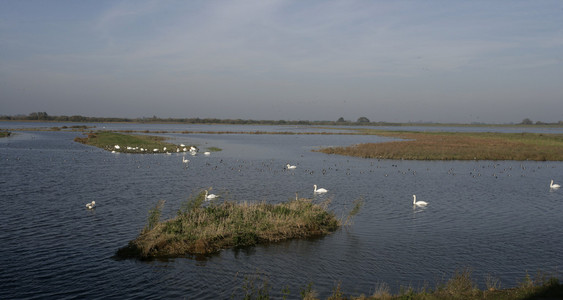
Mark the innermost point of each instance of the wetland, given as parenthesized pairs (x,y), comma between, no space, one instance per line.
(498,217)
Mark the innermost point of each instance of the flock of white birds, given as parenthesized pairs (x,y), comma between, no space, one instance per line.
(182,148)
(193,151)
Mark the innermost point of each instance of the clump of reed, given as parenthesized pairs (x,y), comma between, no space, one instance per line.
(202,227)
(458,146)
(460,287)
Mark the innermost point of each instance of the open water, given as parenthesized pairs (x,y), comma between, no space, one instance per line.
(498,218)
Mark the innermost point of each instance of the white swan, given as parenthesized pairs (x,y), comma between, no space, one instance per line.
(554,186)
(209,196)
(184,160)
(290,167)
(319,191)
(418,203)
(91,205)
(207,153)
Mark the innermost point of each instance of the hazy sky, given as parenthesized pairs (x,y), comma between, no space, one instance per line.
(444,61)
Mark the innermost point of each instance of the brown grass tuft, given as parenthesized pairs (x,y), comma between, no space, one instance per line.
(202,227)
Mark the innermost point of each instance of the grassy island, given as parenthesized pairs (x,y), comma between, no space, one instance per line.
(5,134)
(127,143)
(202,227)
(458,146)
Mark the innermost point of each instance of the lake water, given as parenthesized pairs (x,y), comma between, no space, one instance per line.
(498,218)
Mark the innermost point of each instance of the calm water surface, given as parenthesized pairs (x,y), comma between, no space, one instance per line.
(498,218)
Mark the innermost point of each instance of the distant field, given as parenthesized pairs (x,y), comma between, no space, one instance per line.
(458,146)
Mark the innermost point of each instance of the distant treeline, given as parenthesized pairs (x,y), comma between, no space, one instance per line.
(43,116)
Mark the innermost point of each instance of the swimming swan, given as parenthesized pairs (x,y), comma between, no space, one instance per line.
(91,205)
(209,196)
(290,167)
(184,160)
(418,203)
(319,191)
(554,186)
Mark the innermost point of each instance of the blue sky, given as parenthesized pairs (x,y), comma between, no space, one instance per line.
(395,61)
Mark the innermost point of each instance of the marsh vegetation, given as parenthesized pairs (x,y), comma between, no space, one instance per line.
(202,227)
(462,286)
(457,146)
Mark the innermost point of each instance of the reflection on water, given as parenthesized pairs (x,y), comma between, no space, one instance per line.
(499,218)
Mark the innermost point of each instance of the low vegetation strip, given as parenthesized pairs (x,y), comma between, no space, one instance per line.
(460,287)
(202,227)
(458,146)
(5,134)
(127,143)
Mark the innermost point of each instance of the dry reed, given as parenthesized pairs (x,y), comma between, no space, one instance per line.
(201,227)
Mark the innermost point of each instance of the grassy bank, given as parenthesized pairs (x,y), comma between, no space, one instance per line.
(460,287)
(202,227)
(127,143)
(5,134)
(458,146)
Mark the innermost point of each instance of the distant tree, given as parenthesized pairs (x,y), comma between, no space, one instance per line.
(61,118)
(77,118)
(341,119)
(38,116)
(527,122)
(363,120)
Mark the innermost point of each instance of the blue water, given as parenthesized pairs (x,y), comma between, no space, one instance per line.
(497,218)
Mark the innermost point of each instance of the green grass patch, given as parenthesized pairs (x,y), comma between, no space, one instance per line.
(127,143)
(202,227)
(5,134)
(458,146)
(214,149)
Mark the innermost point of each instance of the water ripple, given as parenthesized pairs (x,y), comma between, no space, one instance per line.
(497,217)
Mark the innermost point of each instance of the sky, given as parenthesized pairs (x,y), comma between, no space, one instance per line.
(393,61)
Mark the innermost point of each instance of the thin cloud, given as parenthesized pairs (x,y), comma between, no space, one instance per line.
(345,54)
